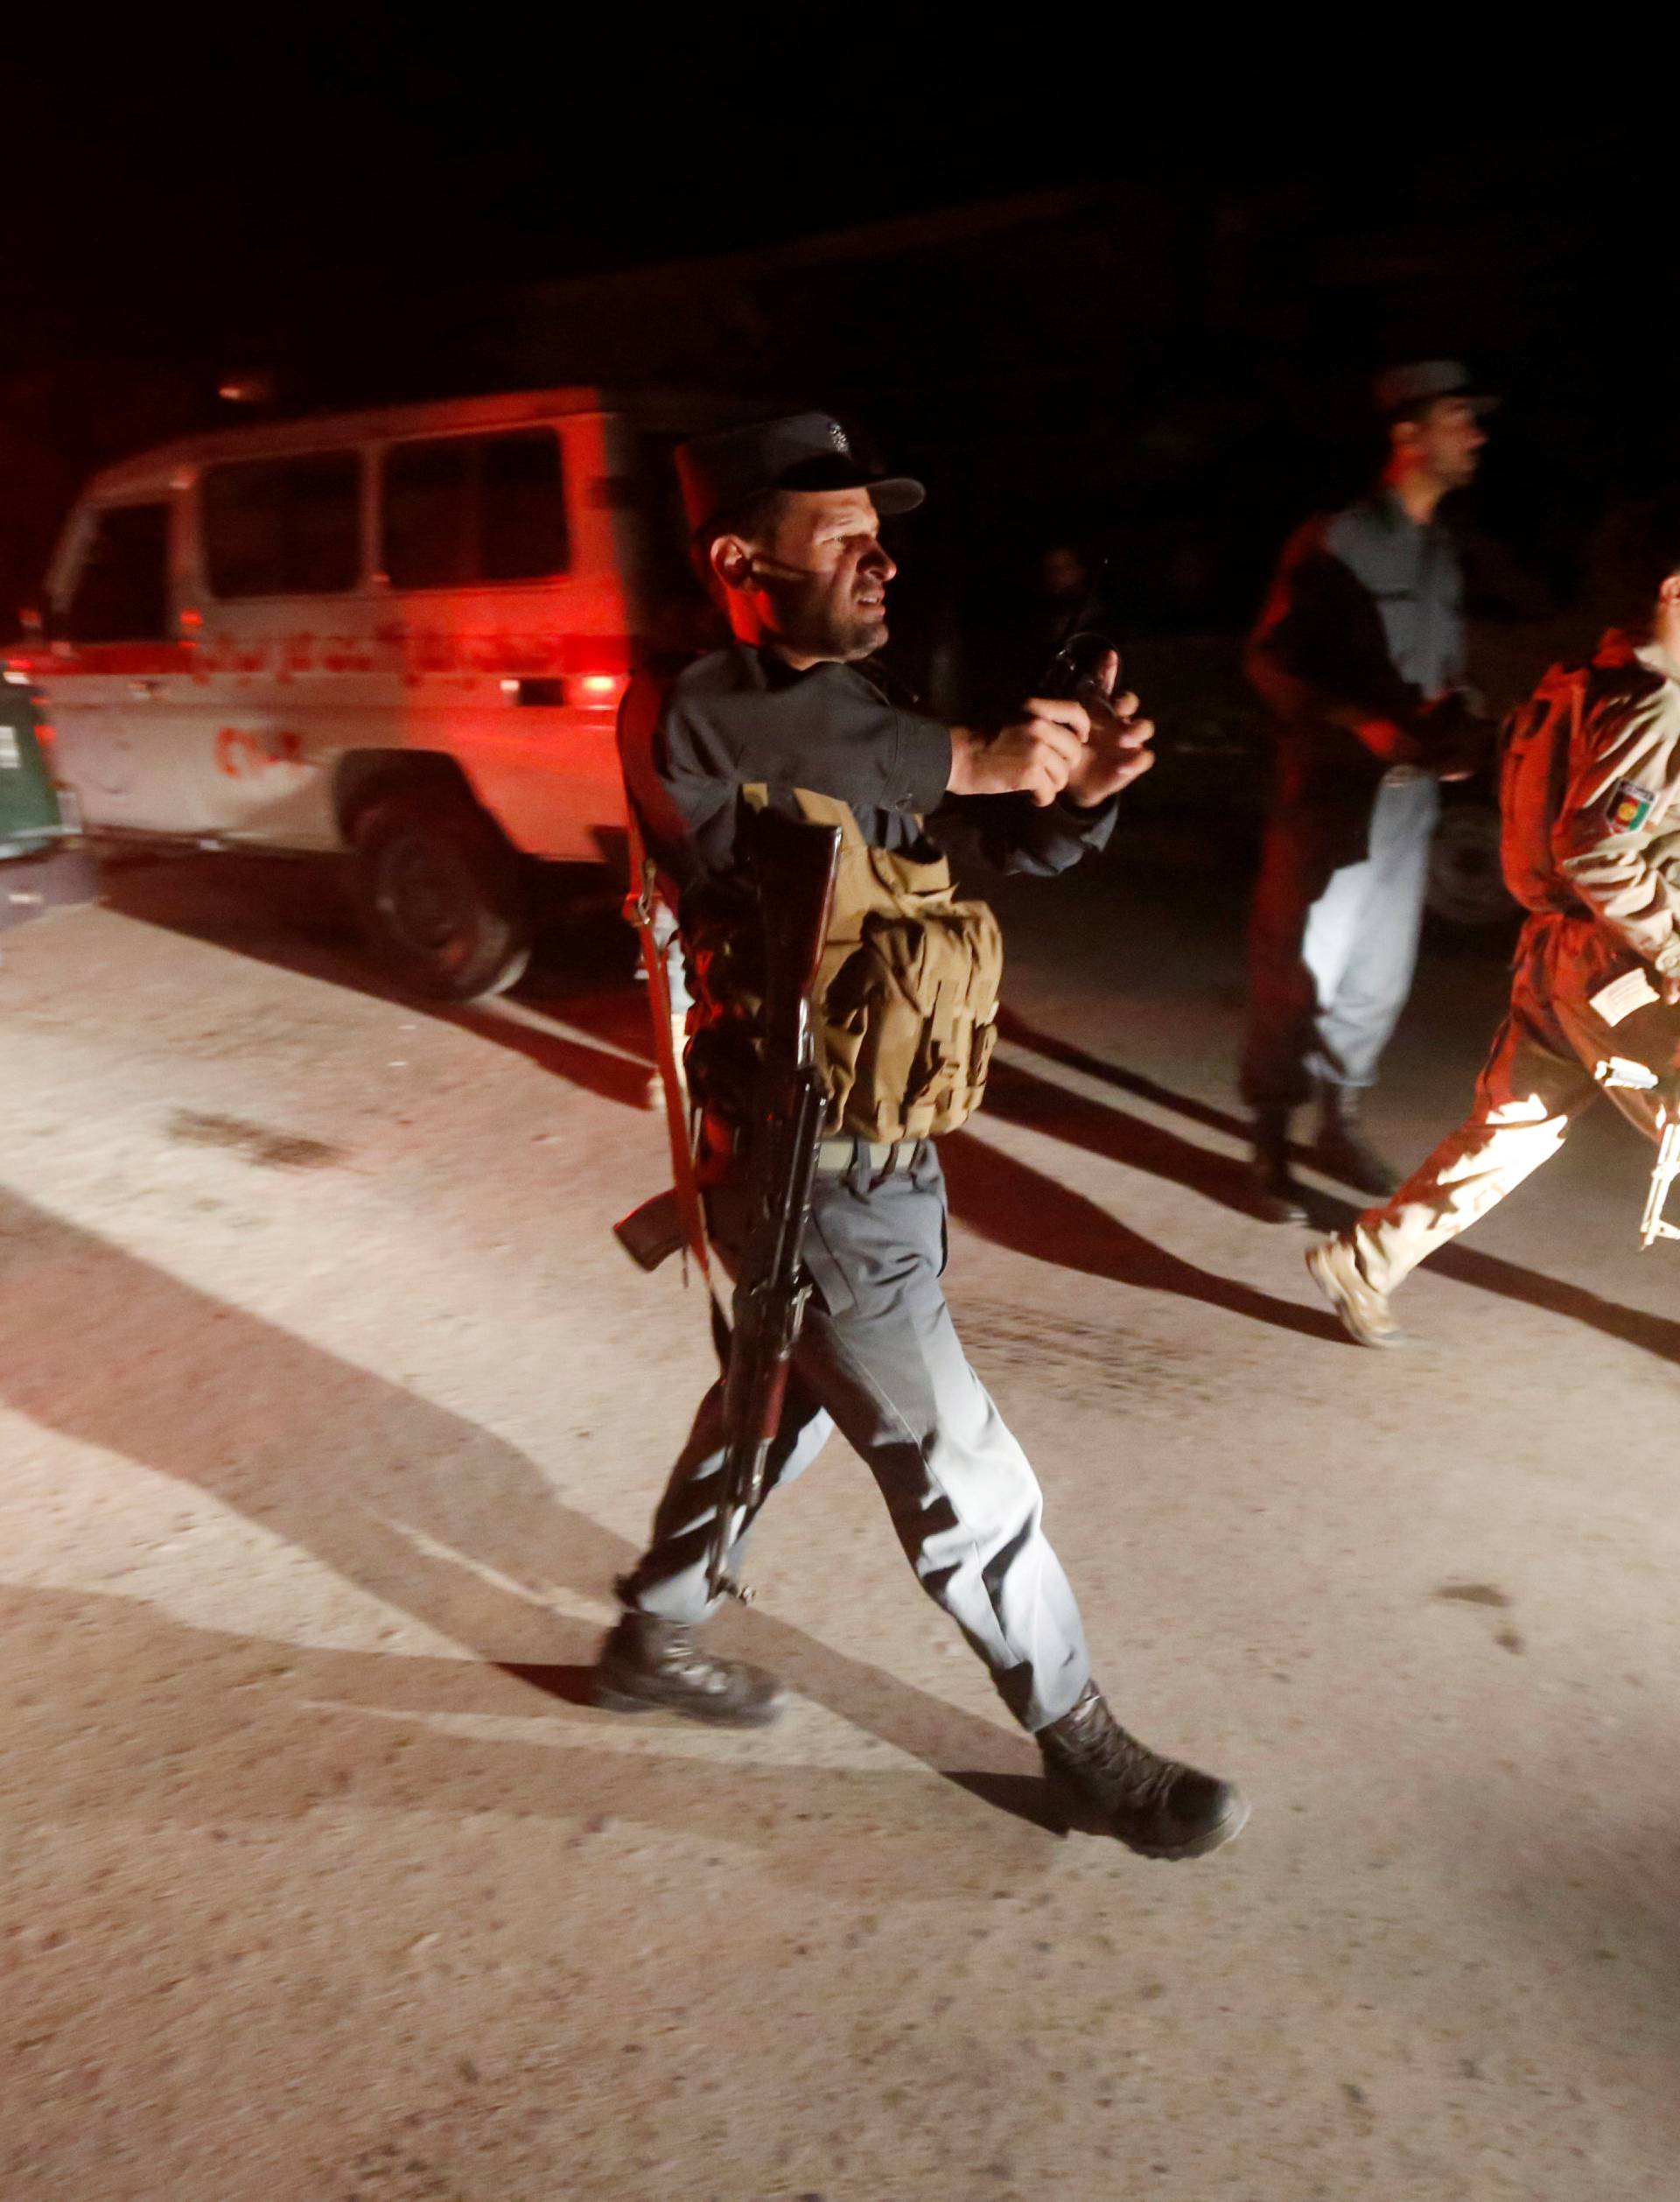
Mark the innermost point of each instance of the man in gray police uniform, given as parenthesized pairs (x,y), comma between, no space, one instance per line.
(785,519)
(1359,652)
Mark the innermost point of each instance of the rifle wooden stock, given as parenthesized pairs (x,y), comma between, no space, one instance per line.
(794,865)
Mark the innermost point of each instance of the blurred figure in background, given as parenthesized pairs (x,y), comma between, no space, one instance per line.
(1062,587)
(1359,656)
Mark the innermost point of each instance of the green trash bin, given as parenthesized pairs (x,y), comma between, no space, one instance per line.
(42,865)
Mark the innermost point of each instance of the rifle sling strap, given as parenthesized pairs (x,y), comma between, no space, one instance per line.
(639,909)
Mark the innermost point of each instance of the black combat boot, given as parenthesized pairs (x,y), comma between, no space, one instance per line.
(1277,1196)
(1154,1805)
(650,1666)
(1343,1151)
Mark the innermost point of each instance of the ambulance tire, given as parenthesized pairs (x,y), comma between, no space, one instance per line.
(1465,890)
(440,897)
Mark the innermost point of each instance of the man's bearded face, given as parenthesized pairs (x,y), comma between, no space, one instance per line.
(818,575)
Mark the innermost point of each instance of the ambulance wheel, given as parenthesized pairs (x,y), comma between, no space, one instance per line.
(440,895)
(1466,887)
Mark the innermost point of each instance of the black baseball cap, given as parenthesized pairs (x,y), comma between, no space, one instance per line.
(1421,382)
(800,451)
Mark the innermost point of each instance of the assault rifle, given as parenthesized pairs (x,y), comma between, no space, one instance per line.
(796,864)
(1652,1225)
(1619,1071)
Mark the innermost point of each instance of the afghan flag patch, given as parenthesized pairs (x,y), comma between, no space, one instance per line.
(1629,806)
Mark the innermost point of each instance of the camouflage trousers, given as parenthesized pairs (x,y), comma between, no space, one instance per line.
(1541,1076)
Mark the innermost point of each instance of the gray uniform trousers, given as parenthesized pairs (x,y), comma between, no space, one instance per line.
(1332,951)
(878,1358)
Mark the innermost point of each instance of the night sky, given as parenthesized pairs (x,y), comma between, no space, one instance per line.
(191,190)
(256,194)
(192,198)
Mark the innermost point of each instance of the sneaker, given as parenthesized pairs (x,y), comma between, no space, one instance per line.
(1152,1804)
(650,1666)
(1364,1312)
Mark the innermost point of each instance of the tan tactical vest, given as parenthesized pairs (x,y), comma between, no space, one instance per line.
(906,1008)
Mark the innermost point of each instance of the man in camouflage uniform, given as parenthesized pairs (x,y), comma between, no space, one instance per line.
(1591,848)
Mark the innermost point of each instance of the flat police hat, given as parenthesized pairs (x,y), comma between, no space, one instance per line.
(801,451)
(1421,382)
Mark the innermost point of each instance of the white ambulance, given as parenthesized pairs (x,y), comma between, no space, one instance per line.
(400,635)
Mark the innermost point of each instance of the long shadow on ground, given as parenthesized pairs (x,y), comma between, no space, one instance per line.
(1017,1096)
(179,1726)
(1656,1334)
(420,1508)
(1022,1099)
(292,916)
(1074,1058)
(1016,1206)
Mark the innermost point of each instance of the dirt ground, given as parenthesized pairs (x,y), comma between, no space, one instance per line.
(329,1408)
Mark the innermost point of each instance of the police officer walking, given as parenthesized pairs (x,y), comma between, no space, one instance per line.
(1591,846)
(784,517)
(1359,654)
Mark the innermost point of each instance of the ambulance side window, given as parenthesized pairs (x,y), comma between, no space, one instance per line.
(283,527)
(428,515)
(522,513)
(122,592)
(460,509)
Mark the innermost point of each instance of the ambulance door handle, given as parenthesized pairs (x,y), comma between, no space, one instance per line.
(141,690)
